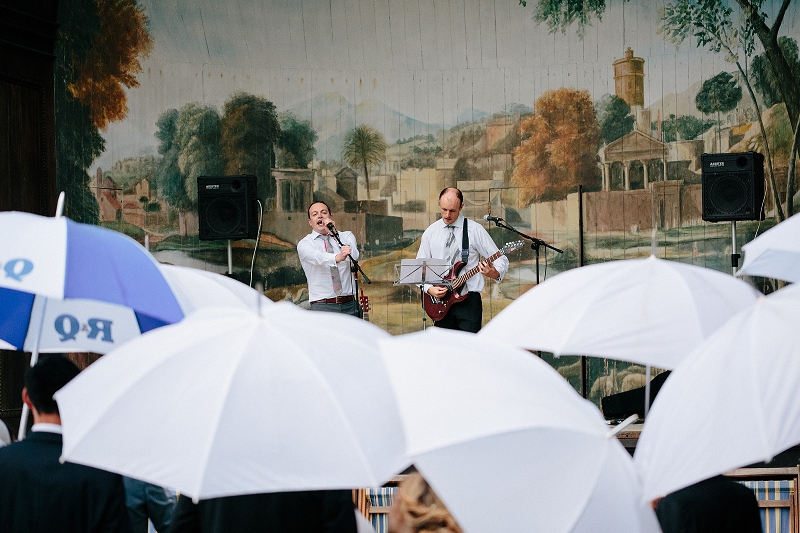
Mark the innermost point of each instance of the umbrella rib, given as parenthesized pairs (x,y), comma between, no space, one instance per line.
(762,432)
(239,354)
(342,415)
(588,303)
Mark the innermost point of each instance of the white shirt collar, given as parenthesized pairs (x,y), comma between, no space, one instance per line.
(457,222)
(48,428)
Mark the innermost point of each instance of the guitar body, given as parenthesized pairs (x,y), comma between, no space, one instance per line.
(455,279)
(437,308)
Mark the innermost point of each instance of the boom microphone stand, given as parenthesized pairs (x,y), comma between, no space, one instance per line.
(536,244)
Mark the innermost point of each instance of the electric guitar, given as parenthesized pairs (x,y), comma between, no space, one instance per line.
(364,306)
(437,308)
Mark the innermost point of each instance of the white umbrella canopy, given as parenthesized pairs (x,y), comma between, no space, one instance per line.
(232,402)
(775,253)
(197,289)
(648,311)
(506,442)
(730,404)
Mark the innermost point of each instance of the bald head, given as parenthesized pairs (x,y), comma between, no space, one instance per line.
(450,203)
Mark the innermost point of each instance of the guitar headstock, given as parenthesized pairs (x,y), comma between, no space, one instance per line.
(364,301)
(512,246)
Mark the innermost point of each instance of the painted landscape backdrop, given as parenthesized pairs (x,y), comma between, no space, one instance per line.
(374,106)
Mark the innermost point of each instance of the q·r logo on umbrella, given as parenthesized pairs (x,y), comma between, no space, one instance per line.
(18,268)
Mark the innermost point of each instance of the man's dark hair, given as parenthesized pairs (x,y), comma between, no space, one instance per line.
(317,202)
(46,377)
(447,189)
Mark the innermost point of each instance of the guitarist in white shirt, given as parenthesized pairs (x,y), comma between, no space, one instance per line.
(465,315)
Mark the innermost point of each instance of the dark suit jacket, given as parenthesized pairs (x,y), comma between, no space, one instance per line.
(715,505)
(39,494)
(324,511)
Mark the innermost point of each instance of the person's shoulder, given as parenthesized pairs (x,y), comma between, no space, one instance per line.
(307,239)
(438,223)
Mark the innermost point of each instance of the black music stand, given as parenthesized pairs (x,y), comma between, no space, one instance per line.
(419,272)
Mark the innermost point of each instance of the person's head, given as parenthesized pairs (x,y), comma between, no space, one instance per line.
(416,508)
(450,203)
(318,216)
(44,379)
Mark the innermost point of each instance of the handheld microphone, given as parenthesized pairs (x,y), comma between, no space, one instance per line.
(331,228)
(490,218)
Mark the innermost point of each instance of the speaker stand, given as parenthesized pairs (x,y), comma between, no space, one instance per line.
(230,258)
(734,256)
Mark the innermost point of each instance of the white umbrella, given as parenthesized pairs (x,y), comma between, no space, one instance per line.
(775,253)
(730,404)
(232,402)
(198,289)
(648,311)
(506,442)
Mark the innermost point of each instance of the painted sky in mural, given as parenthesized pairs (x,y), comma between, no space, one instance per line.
(399,66)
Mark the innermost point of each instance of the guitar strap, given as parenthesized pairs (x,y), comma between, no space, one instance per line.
(465,243)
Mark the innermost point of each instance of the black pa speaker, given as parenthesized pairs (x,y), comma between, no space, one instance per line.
(733,186)
(227,207)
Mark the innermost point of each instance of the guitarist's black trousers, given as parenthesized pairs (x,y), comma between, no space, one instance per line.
(465,315)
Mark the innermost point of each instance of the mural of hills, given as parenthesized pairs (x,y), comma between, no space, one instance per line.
(333,116)
(680,104)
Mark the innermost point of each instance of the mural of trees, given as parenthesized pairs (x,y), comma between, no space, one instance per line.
(197,136)
(363,147)
(685,127)
(719,94)
(559,147)
(97,53)
(168,173)
(296,141)
(614,117)
(250,128)
(763,78)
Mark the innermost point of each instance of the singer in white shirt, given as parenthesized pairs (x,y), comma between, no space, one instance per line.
(322,257)
(466,315)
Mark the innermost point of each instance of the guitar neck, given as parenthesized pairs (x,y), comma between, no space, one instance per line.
(462,279)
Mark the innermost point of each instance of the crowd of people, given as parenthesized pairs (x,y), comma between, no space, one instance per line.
(41,493)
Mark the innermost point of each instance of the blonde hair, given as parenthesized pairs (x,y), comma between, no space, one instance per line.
(421,507)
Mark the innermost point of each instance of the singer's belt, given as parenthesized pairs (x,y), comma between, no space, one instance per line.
(337,300)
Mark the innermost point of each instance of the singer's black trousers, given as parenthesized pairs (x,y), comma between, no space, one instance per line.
(465,316)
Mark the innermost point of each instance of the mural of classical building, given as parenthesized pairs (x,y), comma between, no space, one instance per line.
(635,159)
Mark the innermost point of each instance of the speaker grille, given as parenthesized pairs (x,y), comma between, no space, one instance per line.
(728,194)
(224,216)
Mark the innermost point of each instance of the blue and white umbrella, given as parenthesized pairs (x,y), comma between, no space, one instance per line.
(80,325)
(58,259)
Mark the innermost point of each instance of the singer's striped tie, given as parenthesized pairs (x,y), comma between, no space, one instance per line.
(336,278)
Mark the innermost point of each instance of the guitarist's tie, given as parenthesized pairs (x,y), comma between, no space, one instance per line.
(452,251)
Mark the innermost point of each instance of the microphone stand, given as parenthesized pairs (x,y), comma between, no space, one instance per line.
(535,243)
(354,269)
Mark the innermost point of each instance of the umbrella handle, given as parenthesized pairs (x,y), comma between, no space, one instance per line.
(23,421)
(60,205)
